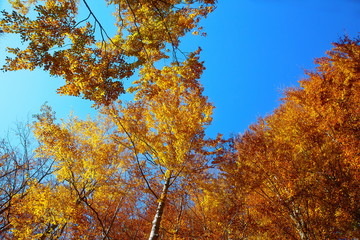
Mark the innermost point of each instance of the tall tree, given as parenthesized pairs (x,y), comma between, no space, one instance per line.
(136,159)
(295,172)
(167,123)
(157,139)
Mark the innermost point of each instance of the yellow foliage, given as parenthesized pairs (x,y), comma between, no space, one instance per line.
(58,42)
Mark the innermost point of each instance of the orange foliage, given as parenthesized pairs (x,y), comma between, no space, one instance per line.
(296,172)
(143,166)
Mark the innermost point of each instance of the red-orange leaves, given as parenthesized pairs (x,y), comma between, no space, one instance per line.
(331,95)
(297,169)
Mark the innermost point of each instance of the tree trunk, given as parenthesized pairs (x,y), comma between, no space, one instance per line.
(300,225)
(154,234)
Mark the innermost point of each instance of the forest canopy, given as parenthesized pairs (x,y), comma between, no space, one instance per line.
(144,168)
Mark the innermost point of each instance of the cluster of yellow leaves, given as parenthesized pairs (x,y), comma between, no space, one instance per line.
(89,71)
(93,69)
(94,172)
(84,153)
(158,25)
(42,208)
(169,114)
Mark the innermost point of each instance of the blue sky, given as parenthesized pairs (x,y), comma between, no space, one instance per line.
(254,50)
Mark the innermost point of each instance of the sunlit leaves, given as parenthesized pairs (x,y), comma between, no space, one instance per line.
(170,112)
(58,42)
(133,150)
(296,170)
(93,170)
(120,169)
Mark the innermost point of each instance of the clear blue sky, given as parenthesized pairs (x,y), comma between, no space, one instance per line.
(254,49)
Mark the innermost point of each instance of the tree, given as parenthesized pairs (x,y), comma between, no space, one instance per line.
(297,169)
(62,45)
(18,170)
(161,131)
(86,194)
(167,122)
(134,159)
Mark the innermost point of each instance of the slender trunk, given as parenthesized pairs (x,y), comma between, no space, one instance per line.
(300,226)
(154,234)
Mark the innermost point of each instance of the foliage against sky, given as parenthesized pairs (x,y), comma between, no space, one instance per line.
(145,169)
(241,35)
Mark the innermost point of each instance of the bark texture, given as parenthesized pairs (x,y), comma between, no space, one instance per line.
(154,234)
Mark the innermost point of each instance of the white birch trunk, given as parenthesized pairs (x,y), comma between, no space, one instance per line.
(154,234)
